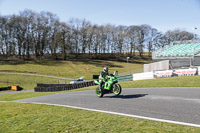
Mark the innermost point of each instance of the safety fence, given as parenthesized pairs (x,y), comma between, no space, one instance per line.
(62,87)
(128,77)
(125,78)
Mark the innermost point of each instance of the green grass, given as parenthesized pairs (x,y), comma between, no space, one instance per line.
(25,81)
(23,118)
(24,95)
(17,117)
(189,81)
(69,69)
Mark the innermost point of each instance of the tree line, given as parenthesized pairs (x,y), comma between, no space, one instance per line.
(38,34)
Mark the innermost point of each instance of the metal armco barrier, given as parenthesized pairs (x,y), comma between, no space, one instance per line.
(62,87)
(125,78)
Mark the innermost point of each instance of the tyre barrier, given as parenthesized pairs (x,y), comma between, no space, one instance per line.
(14,88)
(61,87)
(5,88)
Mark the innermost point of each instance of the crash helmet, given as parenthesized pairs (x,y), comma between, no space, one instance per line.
(105,69)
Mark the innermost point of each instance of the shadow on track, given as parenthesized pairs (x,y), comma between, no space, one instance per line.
(127,96)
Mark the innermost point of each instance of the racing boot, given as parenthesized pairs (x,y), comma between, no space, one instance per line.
(101,89)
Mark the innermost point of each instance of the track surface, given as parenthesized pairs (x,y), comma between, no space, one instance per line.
(176,104)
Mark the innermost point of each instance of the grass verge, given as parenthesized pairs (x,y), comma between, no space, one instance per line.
(24,95)
(25,81)
(188,81)
(23,118)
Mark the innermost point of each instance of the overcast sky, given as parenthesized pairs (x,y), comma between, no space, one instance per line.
(161,14)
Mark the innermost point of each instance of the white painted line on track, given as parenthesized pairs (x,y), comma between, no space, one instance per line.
(121,114)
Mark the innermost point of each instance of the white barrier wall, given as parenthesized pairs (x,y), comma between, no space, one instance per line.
(142,76)
(198,70)
(167,73)
(161,65)
(163,74)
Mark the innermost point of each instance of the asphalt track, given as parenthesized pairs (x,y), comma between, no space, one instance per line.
(173,104)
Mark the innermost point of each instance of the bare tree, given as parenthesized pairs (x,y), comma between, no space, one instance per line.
(178,35)
(39,34)
(152,39)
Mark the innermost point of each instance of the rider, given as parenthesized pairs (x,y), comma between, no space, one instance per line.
(102,77)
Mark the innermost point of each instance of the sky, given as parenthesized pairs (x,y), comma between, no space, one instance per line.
(161,14)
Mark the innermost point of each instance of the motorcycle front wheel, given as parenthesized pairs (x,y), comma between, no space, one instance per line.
(99,93)
(117,89)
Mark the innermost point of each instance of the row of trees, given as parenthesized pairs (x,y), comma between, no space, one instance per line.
(39,34)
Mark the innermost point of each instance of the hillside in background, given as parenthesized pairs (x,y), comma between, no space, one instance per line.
(67,69)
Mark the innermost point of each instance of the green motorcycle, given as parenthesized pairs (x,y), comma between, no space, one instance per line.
(110,86)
